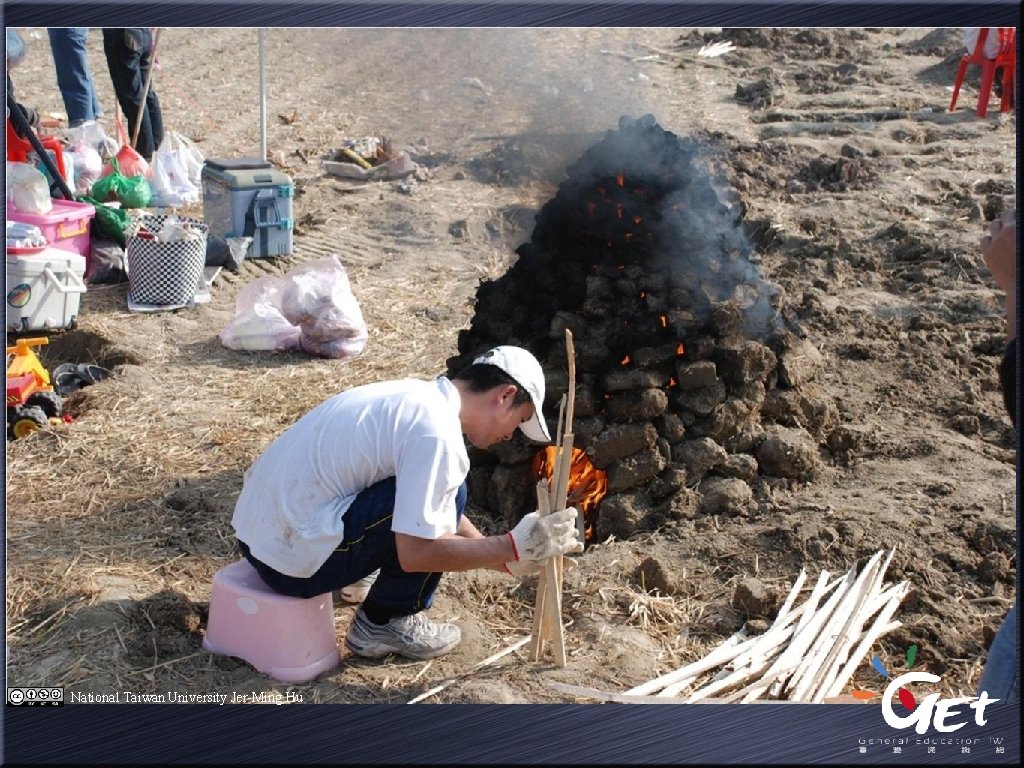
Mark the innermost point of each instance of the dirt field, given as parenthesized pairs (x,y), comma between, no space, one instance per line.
(873,199)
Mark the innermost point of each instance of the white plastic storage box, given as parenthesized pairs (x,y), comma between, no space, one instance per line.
(249,198)
(44,290)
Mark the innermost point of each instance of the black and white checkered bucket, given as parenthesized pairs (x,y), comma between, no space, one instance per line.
(164,273)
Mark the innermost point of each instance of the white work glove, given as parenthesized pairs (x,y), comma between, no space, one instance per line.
(538,538)
(520,568)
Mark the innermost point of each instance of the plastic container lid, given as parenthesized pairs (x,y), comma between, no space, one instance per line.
(238,164)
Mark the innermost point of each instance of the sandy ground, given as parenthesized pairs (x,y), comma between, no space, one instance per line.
(872,196)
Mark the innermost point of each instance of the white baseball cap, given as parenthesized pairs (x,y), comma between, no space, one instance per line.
(525,369)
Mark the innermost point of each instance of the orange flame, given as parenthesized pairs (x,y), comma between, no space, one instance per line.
(672,382)
(625,360)
(620,179)
(680,349)
(588,485)
(663,319)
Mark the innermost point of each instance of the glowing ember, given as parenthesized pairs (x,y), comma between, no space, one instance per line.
(625,360)
(588,485)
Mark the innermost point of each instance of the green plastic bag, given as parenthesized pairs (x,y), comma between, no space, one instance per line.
(109,223)
(131,192)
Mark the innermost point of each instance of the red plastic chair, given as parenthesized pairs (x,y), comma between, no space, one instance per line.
(18,148)
(1005,58)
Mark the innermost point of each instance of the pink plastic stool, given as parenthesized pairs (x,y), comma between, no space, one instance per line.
(289,638)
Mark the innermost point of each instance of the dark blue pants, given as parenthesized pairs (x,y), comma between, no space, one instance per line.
(369,544)
(128,51)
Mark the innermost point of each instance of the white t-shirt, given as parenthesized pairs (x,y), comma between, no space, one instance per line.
(294,497)
(970,37)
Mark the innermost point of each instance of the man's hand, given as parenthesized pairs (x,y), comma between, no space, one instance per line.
(999,248)
(538,538)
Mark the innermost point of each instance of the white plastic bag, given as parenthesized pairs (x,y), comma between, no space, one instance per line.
(319,299)
(258,324)
(87,164)
(176,169)
(189,158)
(27,189)
(92,134)
(311,307)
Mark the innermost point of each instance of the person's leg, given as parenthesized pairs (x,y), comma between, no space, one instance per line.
(368,545)
(391,620)
(123,49)
(396,592)
(68,46)
(999,679)
(153,111)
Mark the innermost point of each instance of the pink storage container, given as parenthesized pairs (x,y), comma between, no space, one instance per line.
(65,227)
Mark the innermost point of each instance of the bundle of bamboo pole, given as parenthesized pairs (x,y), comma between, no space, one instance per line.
(547,612)
(808,654)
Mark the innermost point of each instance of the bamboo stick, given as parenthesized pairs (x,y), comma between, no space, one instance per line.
(734,639)
(548,605)
(543,630)
(821,619)
(737,677)
(719,656)
(536,636)
(145,89)
(797,586)
(844,624)
(552,614)
(479,665)
(880,626)
(807,633)
(851,630)
(811,608)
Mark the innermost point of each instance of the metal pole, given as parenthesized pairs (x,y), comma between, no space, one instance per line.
(263,103)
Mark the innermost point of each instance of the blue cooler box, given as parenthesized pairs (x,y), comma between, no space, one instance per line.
(247,197)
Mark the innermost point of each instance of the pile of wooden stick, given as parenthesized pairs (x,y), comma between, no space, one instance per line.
(808,654)
(547,613)
(810,651)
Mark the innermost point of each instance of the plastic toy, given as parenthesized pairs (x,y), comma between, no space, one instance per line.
(31,401)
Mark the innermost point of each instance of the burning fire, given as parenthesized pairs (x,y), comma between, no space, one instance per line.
(588,485)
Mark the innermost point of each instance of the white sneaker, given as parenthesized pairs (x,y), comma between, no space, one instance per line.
(414,636)
(357,591)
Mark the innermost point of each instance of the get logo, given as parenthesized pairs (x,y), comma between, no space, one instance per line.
(932,710)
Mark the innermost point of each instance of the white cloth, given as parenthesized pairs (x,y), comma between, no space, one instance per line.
(970,37)
(291,509)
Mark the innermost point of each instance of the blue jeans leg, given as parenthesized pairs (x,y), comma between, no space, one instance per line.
(1000,677)
(74,79)
(369,545)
